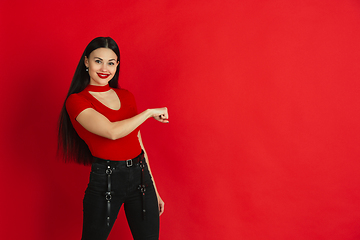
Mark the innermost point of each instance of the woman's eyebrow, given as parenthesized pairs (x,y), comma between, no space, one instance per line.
(109,59)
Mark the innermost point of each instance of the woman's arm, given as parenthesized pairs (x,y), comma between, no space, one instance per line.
(95,122)
(160,201)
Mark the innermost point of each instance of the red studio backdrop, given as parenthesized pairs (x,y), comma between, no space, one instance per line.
(263,96)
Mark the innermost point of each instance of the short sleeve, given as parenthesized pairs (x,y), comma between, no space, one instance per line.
(75,104)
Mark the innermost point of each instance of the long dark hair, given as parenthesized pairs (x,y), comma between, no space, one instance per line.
(71,147)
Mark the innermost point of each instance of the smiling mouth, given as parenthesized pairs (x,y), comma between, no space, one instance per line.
(102,75)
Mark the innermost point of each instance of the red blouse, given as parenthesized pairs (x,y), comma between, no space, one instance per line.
(120,149)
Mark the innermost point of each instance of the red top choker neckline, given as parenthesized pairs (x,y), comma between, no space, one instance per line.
(93,88)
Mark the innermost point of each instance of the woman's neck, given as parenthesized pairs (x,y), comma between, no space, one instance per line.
(95,88)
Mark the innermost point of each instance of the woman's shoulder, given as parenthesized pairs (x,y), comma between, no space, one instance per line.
(77,98)
(76,103)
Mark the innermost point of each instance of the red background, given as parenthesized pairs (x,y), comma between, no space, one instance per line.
(263,96)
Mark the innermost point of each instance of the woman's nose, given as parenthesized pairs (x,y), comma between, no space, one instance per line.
(103,67)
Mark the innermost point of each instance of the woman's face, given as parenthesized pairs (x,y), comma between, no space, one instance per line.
(102,64)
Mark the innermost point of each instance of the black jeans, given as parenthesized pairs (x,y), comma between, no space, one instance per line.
(125,182)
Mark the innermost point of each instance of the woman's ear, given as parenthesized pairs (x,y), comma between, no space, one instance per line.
(86,62)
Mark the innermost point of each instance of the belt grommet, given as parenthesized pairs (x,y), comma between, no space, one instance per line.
(108,196)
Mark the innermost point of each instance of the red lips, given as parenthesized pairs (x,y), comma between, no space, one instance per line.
(103,75)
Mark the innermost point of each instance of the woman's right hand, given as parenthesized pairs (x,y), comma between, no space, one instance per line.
(160,114)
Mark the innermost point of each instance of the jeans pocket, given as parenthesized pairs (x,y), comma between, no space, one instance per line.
(98,169)
(97,183)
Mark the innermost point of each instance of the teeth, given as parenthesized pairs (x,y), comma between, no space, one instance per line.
(103,75)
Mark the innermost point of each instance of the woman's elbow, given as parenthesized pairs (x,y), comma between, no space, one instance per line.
(108,133)
(112,135)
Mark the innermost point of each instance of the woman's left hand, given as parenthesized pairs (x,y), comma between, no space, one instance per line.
(161,205)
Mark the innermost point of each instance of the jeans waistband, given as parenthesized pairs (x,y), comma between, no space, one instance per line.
(116,164)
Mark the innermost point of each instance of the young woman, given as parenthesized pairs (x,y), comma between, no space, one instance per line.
(99,125)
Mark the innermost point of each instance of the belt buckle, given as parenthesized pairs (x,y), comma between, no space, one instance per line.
(129,163)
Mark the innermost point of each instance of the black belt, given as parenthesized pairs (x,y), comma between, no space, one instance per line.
(111,165)
(114,164)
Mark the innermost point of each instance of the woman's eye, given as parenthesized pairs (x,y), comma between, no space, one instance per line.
(97,61)
(111,63)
